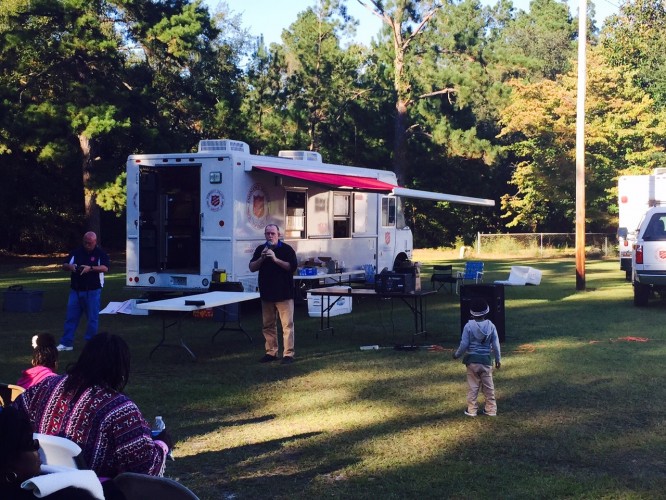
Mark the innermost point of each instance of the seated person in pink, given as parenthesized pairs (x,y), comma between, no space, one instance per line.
(88,407)
(44,361)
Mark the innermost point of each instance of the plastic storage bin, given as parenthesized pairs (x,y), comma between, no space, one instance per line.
(369,273)
(21,300)
(342,306)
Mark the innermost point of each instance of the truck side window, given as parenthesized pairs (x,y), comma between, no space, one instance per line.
(296,206)
(388,211)
(401,223)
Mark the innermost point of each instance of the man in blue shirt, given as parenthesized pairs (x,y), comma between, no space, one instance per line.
(276,263)
(87,265)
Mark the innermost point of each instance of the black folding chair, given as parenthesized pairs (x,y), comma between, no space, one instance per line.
(135,486)
(442,275)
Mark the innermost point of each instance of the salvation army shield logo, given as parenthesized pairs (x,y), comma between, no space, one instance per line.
(215,200)
(661,254)
(257,206)
(387,237)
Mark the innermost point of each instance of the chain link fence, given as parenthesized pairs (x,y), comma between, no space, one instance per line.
(544,244)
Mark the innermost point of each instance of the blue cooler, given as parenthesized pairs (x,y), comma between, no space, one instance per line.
(369,273)
(18,299)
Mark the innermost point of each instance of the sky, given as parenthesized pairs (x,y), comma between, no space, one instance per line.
(270,17)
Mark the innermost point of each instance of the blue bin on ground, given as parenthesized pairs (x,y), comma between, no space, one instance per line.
(19,299)
(369,273)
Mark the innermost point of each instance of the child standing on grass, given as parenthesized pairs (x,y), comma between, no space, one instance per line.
(479,340)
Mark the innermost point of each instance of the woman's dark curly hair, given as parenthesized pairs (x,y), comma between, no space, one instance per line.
(45,352)
(104,361)
(15,435)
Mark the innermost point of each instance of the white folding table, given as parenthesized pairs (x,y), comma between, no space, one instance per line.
(182,306)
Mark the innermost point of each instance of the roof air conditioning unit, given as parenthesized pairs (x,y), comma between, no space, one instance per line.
(213,145)
(312,156)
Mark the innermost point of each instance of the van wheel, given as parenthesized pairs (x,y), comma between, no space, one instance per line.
(627,275)
(641,295)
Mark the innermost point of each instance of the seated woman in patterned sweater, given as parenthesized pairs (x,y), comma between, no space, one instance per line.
(88,407)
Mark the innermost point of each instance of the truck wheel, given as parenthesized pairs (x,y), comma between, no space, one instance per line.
(641,295)
(627,275)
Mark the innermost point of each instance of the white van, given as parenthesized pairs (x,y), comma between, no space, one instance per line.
(636,194)
(649,256)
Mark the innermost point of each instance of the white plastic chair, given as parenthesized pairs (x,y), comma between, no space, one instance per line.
(533,276)
(522,275)
(59,451)
(517,276)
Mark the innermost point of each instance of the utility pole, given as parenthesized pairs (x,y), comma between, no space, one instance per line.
(580,146)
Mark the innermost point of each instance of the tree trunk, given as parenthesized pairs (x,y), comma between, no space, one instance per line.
(402,92)
(394,17)
(400,144)
(92,214)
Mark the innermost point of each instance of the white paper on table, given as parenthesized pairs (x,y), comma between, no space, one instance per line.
(127,307)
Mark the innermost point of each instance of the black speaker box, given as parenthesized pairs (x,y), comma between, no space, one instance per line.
(387,283)
(494,295)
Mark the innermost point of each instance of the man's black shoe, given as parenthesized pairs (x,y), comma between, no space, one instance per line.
(267,358)
(287,360)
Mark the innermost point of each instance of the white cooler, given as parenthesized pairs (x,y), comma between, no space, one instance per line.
(342,306)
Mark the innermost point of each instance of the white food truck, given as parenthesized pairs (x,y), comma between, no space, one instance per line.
(636,194)
(189,214)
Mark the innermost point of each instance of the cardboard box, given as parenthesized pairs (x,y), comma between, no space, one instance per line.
(22,300)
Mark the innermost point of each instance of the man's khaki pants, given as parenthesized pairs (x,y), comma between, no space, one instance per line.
(270,312)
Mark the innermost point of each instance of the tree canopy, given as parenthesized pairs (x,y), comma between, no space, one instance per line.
(460,97)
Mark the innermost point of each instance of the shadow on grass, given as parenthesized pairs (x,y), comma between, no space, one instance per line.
(580,415)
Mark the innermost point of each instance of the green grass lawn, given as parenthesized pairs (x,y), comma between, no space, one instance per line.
(581,409)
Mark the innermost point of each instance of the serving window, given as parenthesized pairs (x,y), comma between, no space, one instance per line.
(296,214)
(341,215)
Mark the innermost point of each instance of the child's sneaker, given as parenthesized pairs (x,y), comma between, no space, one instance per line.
(470,414)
